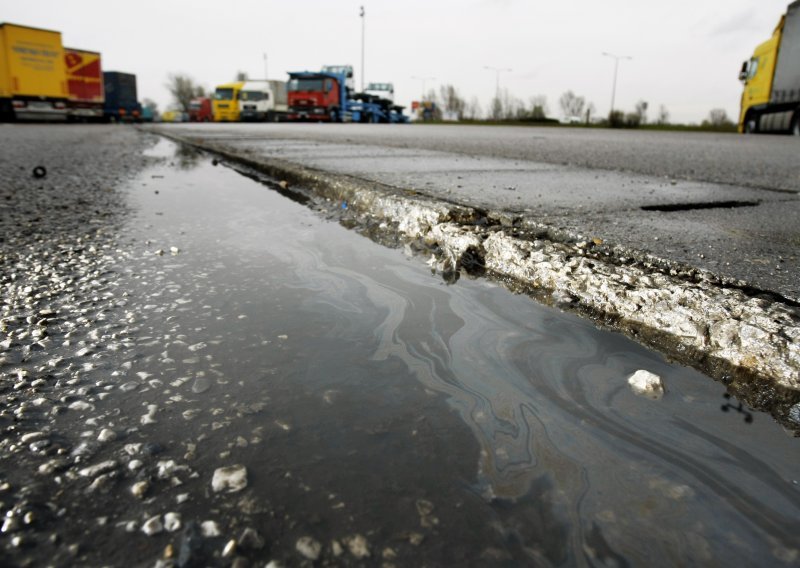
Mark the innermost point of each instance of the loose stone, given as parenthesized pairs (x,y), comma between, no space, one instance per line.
(210,529)
(231,479)
(308,547)
(172,521)
(152,526)
(645,383)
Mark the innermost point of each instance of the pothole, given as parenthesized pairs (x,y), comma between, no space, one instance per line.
(704,205)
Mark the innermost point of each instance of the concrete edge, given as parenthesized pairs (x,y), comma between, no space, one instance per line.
(747,341)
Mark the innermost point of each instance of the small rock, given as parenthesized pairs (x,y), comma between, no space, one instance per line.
(251,539)
(308,547)
(230,548)
(231,479)
(139,488)
(794,413)
(152,526)
(357,545)
(336,548)
(210,529)
(106,435)
(172,521)
(645,383)
(97,469)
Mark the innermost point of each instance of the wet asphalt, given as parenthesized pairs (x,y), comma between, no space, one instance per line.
(722,203)
(199,371)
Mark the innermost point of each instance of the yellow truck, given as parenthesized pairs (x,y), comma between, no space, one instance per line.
(771,97)
(226,102)
(33,78)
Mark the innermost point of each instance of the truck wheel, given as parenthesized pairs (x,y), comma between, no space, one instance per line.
(751,124)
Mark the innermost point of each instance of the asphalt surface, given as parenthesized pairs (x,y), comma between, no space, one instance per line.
(722,203)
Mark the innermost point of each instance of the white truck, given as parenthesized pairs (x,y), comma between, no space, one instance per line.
(383,91)
(263,100)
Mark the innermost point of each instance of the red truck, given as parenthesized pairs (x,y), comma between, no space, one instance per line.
(200,110)
(84,84)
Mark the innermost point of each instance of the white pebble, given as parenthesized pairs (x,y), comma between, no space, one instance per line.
(139,489)
(210,529)
(106,435)
(647,384)
(308,547)
(172,521)
(152,526)
(232,478)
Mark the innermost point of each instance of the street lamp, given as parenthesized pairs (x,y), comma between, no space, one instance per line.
(497,70)
(363,19)
(616,66)
(424,79)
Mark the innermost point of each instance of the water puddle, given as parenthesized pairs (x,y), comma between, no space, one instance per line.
(383,416)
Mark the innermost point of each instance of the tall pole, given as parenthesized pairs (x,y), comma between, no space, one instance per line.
(497,71)
(363,19)
(266,71)
(616,68)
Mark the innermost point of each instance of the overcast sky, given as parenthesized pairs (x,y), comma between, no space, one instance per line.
(686,53)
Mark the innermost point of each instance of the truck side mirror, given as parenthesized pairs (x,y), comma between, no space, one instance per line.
(743,72)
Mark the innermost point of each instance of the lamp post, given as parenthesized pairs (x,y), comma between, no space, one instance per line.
(424,79)
(497,70)
(616,67)
(363,20)
(266,72)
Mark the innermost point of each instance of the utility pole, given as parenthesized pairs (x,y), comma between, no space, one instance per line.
(266,72)
(616,67)
(497,70)
(424,79)
(363,19)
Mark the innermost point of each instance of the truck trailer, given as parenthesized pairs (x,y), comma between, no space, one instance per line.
(122,103)
(771,97)
(85,85)
(263,100)
(33,78)
(327,96)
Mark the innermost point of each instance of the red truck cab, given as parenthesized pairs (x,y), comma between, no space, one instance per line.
(315,96)
(200,110)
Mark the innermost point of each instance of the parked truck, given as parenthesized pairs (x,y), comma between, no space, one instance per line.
(328,96)
(771,97)
(122,103)
(85,85)
(226,102)
(200,110)
(263,100)
(33,79)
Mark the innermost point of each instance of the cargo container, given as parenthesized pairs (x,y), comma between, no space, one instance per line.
(85,84)
(122,104)
(33,79)
(226,102)
(771,97)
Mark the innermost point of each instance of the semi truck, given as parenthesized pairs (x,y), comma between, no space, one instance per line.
(771,77)
(263,100)
(328,96)
(85,84)
(122,103)
(226,102)
(33,78)
(200,110)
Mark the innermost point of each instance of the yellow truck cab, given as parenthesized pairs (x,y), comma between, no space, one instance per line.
(226,102)
(771,77)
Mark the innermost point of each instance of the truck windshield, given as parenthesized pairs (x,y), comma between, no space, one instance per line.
(305,85)
(223,94)
(194,106)
(253,96)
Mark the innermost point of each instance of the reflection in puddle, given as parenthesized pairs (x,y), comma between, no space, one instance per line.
(378,410)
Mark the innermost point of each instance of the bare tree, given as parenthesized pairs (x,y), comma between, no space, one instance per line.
(473,110)
(452,101)
(571,104)
(496,109)
(590,112)
(641,110)
(663,115)
(538,107)
(183,89)
(717,117)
